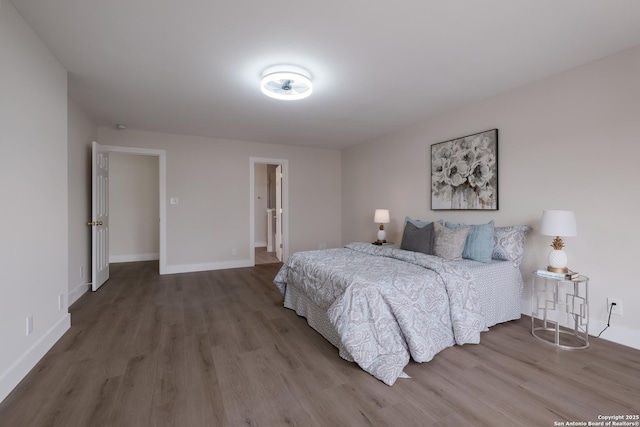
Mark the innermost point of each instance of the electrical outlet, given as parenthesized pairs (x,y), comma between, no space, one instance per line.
(617,309)
(29,324)
(60,302)
(81,272)
(234,252)
(322,246)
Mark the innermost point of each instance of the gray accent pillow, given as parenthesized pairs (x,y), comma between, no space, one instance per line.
(416,222)
(448,243)
(418,239)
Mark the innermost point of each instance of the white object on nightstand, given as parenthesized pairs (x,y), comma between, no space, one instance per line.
(381,216)
(559,224)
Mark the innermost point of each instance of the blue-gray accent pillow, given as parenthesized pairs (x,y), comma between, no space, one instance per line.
(418,239)
(479,244)
(416,222)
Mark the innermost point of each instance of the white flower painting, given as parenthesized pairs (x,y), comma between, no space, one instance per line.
(464,172)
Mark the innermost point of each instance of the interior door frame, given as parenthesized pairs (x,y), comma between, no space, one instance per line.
(253,161)
(279,211)
(162,166)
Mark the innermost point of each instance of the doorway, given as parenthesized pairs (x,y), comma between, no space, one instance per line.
(134,232)
(269,210)
(100,209)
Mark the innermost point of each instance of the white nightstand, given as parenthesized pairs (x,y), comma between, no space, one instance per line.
(555,298)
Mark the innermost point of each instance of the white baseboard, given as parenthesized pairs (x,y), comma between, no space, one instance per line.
(614,333)
(77,292)
(21,367)
(190,268)
(134,258)
(260,244)
(617,334)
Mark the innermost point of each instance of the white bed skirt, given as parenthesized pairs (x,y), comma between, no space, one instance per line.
(499,287)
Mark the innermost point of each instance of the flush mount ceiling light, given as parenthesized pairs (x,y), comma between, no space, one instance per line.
(286,85)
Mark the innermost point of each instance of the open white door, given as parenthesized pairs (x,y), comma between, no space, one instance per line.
(279,212)
(99,217)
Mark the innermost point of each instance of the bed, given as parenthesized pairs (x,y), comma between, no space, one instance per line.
(381,305)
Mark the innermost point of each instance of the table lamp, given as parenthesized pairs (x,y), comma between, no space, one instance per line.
(381,217)
(558,223)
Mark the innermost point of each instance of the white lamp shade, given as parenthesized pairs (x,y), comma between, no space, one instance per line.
(558,223)
(381,216)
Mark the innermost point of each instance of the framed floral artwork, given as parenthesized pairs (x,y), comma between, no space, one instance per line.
(464,173)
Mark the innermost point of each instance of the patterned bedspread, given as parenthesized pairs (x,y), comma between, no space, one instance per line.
(386,304)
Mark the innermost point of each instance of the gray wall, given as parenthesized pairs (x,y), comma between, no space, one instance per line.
(33,184)
(211,179)
(567,142)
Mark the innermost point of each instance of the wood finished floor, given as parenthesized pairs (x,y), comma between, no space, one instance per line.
(218,349)
(264,257)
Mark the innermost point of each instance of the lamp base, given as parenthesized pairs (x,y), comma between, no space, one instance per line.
(557,261)
(558,269)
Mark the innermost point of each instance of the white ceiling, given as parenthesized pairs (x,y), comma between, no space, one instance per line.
(194,66)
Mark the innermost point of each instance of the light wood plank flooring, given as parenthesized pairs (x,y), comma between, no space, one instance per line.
(264,257)
(218,349)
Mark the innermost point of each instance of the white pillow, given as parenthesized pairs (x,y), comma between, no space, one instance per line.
(508,243)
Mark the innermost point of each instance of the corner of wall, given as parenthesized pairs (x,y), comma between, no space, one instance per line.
(75,293)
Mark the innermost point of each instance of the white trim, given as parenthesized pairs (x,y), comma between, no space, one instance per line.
(163,212)
(615,333)
(162,167)
(253,161)
(260,244)
(78,291)
(134,257)
(25,363)
(222,265)
(133,150)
